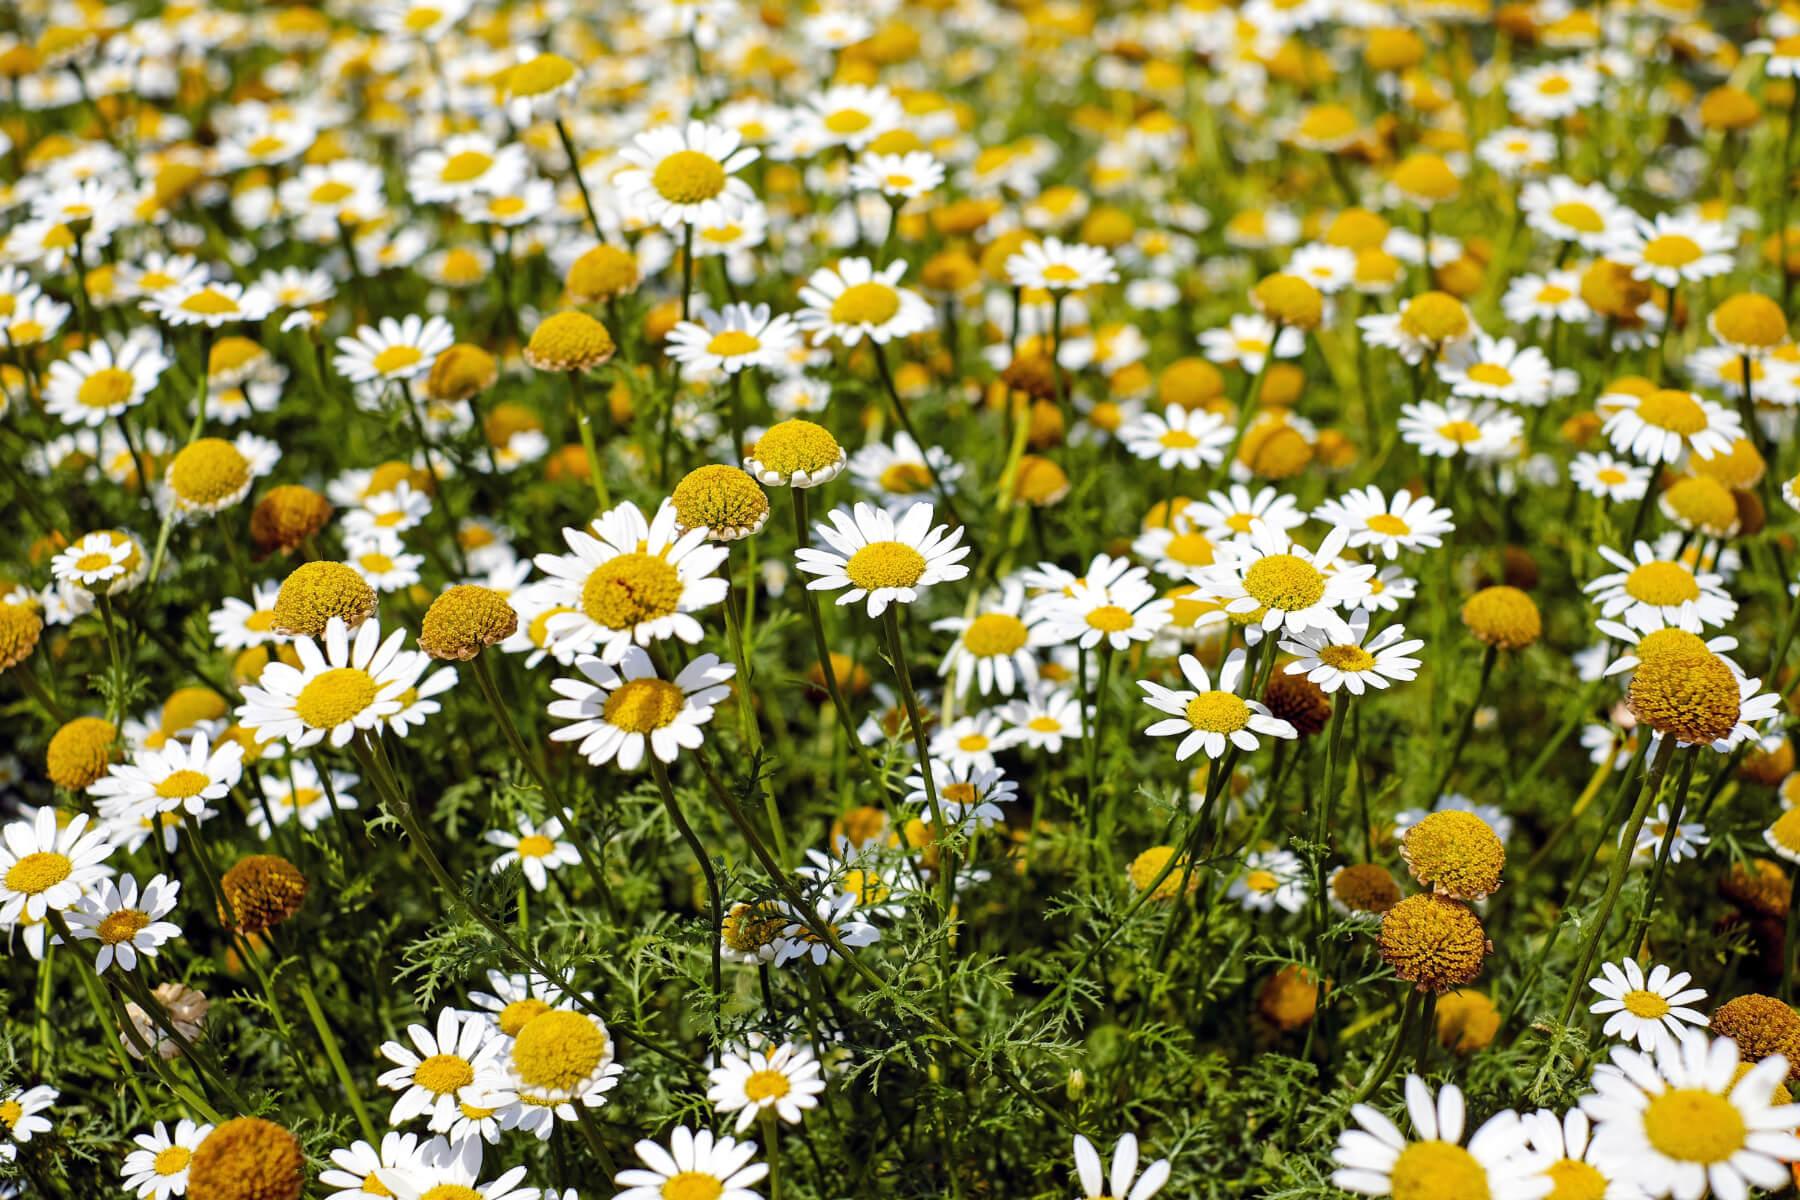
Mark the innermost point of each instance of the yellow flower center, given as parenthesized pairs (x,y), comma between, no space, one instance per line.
(377,562)
(1434,317)
(10,1112)
(885,565)
(994,634)
(332,191)
(38,872)
(1610,476)
(442,1074)
(1217,712)
(971,743)
(797,445)
(865,304)
(450,1191)
(335,697)
(396,358)
(535,845)
(1389,524)
(1492,374)
(905,478)
(688,177)
(1578,216)
(122,926)
(1649,1005)
(209,471)
(848,120)
(1438,1171)
(1261,881)
(642,705)
(1190,549)
(1178,439)
(1061,273)
(545,73)
(1460,432)
(209,302)
(518,1014)
(558,1051)
(1678,412)
(182,785)
(1694,1125)
(631,589)
(733,343)
(766,1085)
(1556,85)
(1662,583)
(466,166)
(692,1185)
(1575,1180)
(1550,293)
(105,388)
(172,1161)
(1284,581)
(1109,618)
(1044,724)
(1671,250)
(97,560)
(1347,658)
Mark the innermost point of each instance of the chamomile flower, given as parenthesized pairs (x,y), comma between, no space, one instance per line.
(1666,425)
(94,385)
(355,1171)
(1279,584)
(1271,879)
(1248,340)
(1207,717)
(619,714)
(1587,215)
(1460,429)
(1353,663)
(1611,479)
(717,1168)
(1564,1153)
(1681,1121)
(1379,1160)
(439,1068)
(969,793)
(464,165)
(442,1168)
(210,304)
(897,472)
(899,176)
(738,337)
(1646,1009)
(752,1079)
(1649,592)
(44,865)
(1553,296)
(1092,611)
(390,512)
(172,777)
(299,793)
(1056,266)
(158,1168)
(801,943)
(994,647)
(970,741)
(1672,249)
(124,921)
(629,582)
(1388,523)
(852,300)
(872,554)
(536,848)
(685,175)
(1488,368)
(1045,718)
(24,1108)
(1180,438)
(340,689)
(393,350)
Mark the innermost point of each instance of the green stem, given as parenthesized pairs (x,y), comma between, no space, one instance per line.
(336,1055)
(698,848)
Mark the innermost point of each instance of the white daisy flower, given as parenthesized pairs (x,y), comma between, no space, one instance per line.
(442,1068)
(1378,1160)
(1489,368)
(1056,266)
(898,176)
(1388,523)
(125,922)
(871,553)
(1228,514)
(382,560)
(1553,296)
(158,1168)
(718,1168)
(1587,215)
(1248,339)
(851,114)
(1666,425)
(355,1171)
(45,866)
(852,300)
(970,741)
(394,511)
(1649,592)
(297,792)
(536,848)
(1180,438)
(898,472)
(685,175)
(465,164)
(443,1168)
(1207,718)
(1648,1010)
(95,562)
(1271,879)
(102,381)
(1351,663)
(750,1080)
(1676,1124)
(994,647)
(393,350)
(631,582)
(619,713)
(238,625)
(1671,249)
(969,794)
(172,777)
(1562,1151)
(337,691)
(559,1060)
(1045,718)
(1091,611)
(1459,428)
(210,304)
(1609,478)
(799,943)
(1282,585)
(736,338)
(25,1107)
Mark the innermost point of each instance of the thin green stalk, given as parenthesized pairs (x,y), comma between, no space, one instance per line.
(585,425)
(701,857)
(336,1056)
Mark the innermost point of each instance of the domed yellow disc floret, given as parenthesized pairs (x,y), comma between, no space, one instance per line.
(1701,503)
(20,628)
(558,1051)
(80,752)
(540,75)
(643,705)
(1289,300)
(1434,317)
(1434,943)
(461,371)
(1455,854)
(209,473)
(602,273)
(247,1158)
(1749,320)
(286,516)
(1284,581)
(1146,866)
(1691,697)
(261,891)
(1365,887)
(464,620)
(1762,1026)
(315,592)
(725,500)
(569,341)
(885,565)
(796,447)
(626,591)
(1503,616)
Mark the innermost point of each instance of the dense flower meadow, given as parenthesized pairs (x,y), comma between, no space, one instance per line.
(943,599)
